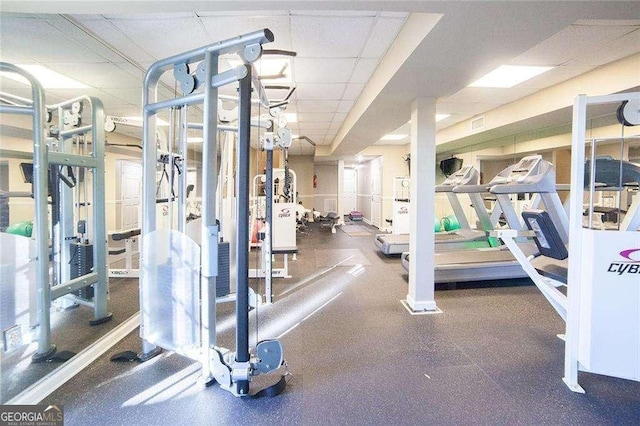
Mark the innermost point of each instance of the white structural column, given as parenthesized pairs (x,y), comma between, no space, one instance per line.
(423,176)
(340,200)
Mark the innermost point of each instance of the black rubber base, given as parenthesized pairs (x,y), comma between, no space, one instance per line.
(126,356)
(273,390)
(143,357)
(62,356)
(38,358)
(130,356)
(102,320)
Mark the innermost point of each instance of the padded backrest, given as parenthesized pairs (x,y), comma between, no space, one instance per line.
(547,237)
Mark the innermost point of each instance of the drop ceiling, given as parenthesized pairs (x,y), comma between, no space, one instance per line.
(338,52)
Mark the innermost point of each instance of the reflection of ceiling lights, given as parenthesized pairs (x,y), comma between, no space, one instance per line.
(49,79)
(271,70)
(440,117)
(506,76)
(138,120)
(393,137)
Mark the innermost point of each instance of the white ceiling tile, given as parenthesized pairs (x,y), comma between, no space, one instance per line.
(363,13)
(113,36)
(340,116)
(14,57)
(323,70)
(78,34)
(328,91)
(150,35)
(104,75)
(246,13)
(618,49)
(329,37)
(313,133)
(363,71)
(316,106)
(383,34)
(313,125)
(222,28)
(155,16)
(353,91)
(317,116)
(335,125)
(345,106)
(44,43)
(570,43)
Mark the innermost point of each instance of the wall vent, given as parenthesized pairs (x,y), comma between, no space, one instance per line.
(477,123)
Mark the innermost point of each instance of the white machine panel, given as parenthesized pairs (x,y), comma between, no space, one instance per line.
(610,305)
(284,225)
(401,222)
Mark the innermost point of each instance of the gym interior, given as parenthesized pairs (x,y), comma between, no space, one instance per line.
(320,212)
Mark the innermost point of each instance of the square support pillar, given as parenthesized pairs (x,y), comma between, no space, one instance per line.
(422,238)
(340,201)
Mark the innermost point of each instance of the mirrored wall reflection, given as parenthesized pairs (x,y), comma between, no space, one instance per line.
(91,280)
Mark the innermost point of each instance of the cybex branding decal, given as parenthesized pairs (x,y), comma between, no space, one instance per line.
(284,213)
(403,210)
(631,264)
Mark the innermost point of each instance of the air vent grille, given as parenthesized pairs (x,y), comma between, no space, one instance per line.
(477,123)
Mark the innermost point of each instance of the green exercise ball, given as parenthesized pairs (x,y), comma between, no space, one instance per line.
(21,228)
(450,223)
(436,225)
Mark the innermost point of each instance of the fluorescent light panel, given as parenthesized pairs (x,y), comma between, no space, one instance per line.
(393,137)
(506,76)
(195,139)
(269,66)
(291,117)
(138,120)
(49,79)
(440,117)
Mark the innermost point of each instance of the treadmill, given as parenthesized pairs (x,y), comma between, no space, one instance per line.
(465,237)
(532,174)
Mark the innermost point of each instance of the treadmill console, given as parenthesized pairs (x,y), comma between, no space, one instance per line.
(521,172)
(467,175)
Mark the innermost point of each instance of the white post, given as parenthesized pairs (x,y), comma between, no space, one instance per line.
(423,176)
(340,192)
(574,278)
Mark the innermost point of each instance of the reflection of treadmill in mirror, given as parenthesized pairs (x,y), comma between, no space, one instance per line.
(531,175)
(616,176)
(465,237)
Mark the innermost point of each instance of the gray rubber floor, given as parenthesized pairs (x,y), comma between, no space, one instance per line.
(357,357)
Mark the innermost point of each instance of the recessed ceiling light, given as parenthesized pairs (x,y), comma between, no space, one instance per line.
(272,70)
(440,117)
(48,79)
(508,76)
(393,137)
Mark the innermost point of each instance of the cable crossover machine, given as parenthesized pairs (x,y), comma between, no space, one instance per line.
(177,275)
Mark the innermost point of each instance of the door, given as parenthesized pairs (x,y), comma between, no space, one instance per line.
(376,192)
(129,188)
(349,191)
